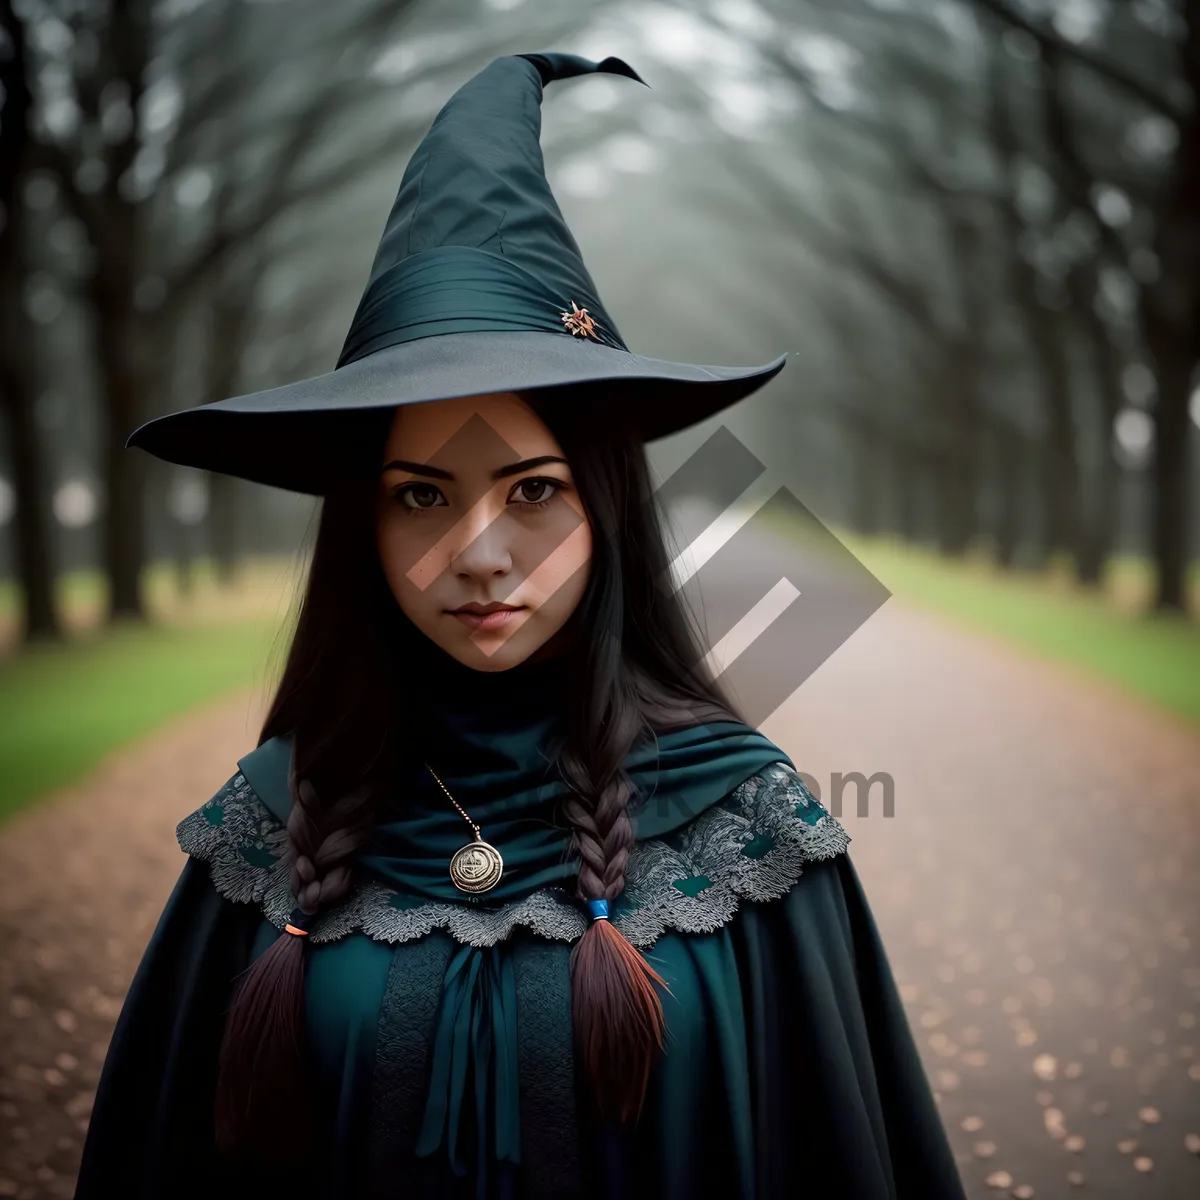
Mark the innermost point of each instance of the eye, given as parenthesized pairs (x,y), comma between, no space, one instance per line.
(533,493)
(415,496)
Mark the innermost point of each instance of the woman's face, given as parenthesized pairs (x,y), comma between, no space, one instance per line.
(480,530)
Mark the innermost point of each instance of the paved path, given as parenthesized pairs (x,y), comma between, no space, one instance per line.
(1037,888)
(83,879)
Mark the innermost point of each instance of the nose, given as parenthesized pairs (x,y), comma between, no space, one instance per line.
(482,551)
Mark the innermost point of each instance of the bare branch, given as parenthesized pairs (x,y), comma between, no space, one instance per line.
(1064,162)
(1048,40)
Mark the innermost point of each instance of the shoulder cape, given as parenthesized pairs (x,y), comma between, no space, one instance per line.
(793,1059)
(751,845)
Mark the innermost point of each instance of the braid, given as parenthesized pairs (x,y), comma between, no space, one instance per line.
(322,865)
(264,1085)
(616,1012)
(604,838)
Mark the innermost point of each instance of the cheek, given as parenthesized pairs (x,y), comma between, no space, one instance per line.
(399,553)
(561,576)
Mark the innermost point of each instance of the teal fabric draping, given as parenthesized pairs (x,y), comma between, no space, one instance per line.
(475,1046)
(790,1068)
(493,738)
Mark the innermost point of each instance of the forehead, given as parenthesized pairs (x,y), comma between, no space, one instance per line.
(493,424)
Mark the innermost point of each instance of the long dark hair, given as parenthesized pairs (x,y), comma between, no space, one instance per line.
(636,666)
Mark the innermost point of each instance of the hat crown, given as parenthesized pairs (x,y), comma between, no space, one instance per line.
(477,182)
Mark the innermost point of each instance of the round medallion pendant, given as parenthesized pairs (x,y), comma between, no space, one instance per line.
(476,867)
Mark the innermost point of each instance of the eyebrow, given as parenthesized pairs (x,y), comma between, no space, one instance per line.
(526,464)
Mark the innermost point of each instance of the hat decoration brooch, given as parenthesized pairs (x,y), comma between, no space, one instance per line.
(579,322)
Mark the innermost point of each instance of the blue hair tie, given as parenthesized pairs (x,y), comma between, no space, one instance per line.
(598,909)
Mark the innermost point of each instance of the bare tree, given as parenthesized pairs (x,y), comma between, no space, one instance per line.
(942,314)
(1042,329)
(19,371)
(924,157)
(269,118)
(131,297)
(1168,303)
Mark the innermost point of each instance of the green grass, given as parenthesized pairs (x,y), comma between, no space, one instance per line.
(64,707)
(81,596)
(1107,632)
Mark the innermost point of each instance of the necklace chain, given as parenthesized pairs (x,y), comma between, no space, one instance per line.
(476,867)
(452,800)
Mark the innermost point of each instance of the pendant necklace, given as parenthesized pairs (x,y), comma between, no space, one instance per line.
(477,866)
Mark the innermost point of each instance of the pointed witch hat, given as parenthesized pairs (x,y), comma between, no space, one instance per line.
(477,287)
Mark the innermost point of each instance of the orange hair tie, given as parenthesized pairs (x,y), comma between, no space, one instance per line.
(292,929)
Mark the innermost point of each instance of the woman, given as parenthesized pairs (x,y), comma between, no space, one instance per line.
(508,901)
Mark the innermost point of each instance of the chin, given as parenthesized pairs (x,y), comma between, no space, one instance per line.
(502,660)
(492,654)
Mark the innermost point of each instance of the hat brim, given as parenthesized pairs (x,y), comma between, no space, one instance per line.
(304,436)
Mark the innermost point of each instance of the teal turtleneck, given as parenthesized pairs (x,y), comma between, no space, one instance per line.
(493,738)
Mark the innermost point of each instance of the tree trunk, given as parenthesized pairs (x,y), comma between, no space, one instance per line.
(113,225)
(184,538)
(1170,315)
(1096,541)
(1062,482)
(1170,481)
(959,467)
(1009,475)
(908,474)
(867,483)
(1058,469)
(1170,322)
(956,504)
(18,346)
(1097,527)
(231,323)
(961,396)
(120,375)
(1059,461)
(223,520)
(35,570)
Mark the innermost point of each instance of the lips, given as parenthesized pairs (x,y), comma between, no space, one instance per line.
(486,616)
